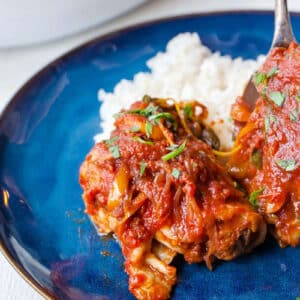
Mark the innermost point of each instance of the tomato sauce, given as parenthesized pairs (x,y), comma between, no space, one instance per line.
(268,160)
(158,186)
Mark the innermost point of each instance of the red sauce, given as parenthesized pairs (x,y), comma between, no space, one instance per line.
(273,130)
(187,202)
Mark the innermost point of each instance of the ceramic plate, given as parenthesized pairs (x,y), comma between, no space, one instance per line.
(45,133)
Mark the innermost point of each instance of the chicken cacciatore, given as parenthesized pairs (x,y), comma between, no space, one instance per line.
(157,184)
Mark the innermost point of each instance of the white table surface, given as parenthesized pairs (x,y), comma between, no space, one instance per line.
(17,65)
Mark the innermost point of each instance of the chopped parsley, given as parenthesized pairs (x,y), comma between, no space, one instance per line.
(159,116)
(277,97)
(264,92)
(188,111)
(175,152)
(298,96)
(272,118)
(134,129)
(140,140)
(267,123)
(256,158)
(148,111)
(111,141)
(176,173)
(260,77)
(253,197)
(272,72)
(143,168)
(294,115)
(268,120)
(286,164)
(114,150)
(149,129)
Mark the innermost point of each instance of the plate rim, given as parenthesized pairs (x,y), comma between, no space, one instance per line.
(17,96)
(121,30)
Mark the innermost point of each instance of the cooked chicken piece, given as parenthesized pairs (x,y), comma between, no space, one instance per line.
(159,187)
(267,162)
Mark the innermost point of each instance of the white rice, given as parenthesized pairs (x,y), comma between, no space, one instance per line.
(187,70)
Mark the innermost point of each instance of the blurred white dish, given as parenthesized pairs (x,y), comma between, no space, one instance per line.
(33,21)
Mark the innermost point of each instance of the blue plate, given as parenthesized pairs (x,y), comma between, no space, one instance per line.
(45,133)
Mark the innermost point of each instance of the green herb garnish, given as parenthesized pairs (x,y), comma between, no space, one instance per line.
(175,152)
(272,118)
(148,111)
(140,140)
(134,129)
(114,150)
(143,168)
(277,97)
(268,120)
(260,78)
(149,129)
(159,116)
(298,96)
(294,115)
(264,92)
(176,173)
(256,158)
(188,111)
(267,123)
(253,197)
(286,164)
(273,71)
(111,141)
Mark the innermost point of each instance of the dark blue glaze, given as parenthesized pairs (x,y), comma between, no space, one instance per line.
(47,130)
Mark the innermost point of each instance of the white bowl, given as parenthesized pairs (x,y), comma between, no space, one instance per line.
(24,22)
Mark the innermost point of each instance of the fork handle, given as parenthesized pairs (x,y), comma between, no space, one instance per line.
(283,33)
